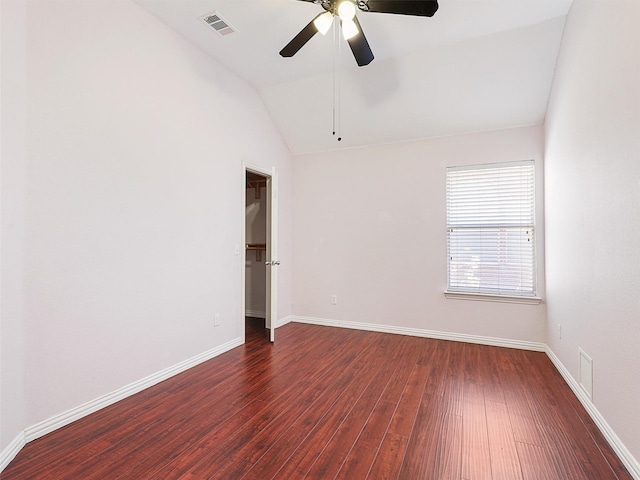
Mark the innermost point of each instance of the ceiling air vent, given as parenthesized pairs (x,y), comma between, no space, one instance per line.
(219,24)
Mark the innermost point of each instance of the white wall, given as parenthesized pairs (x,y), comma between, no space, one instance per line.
(12,157)
(369,227)
(132,196)
(592,174)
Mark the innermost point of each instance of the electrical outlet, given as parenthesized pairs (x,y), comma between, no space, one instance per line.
(216,320)
(560,331)
(334,299)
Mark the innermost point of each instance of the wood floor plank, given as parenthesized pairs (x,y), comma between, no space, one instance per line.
(250,451)
(211,456)
(327,402)
(389,457)
(435,446)
(214,446)
(436,381)
(159,458)
(322,432)
(281,450)
(440,404)
(505,464)
(476,461)
(422,447)
(225,411)
(493,388)
(403,420)
(408,353)
(333,455)
(562,455)
(245,457)
(353,427)
(359,460)
(535,462)
(448,465)
(453,388)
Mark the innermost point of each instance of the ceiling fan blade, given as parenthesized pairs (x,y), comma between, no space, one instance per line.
(300,39)
(360,47)
(423,8)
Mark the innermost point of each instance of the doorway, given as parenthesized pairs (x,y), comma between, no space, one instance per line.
(260,264)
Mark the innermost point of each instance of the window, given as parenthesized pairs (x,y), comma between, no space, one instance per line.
(490,230)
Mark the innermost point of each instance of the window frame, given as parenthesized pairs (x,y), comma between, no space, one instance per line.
(508,296)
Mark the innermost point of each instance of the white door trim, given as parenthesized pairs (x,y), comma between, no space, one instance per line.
(272,235)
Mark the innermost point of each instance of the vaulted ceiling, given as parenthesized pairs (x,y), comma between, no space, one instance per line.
(475,65)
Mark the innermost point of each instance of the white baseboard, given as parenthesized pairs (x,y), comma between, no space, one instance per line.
(621,450)
(417,332)
(11,450)
(65,418)
(58,421)
(284,321)
(254,313)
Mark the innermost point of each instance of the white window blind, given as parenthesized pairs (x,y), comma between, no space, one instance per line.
(490,229)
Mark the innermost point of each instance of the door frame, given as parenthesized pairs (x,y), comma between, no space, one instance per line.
(271,251)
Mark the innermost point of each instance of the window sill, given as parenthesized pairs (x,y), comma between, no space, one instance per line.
(484,297)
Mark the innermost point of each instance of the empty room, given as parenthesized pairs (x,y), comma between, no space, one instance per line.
(286,239)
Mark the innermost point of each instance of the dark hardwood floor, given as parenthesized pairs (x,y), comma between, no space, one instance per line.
(327,403)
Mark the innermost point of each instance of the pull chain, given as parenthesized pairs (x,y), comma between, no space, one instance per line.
(333,79)
(336,77)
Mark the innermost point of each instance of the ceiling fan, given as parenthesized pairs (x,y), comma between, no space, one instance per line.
(352,32)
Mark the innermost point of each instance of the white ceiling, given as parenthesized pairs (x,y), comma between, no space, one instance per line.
(475,65)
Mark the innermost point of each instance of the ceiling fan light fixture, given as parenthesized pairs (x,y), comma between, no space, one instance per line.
(349,29)
(323,22)
(347,11)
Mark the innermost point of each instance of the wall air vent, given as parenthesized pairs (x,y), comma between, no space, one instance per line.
(216,22)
